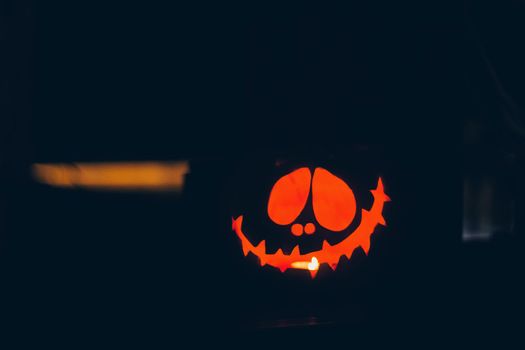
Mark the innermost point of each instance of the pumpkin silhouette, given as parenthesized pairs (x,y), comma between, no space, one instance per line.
(334,207)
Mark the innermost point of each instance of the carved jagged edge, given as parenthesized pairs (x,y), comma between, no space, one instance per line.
(260,250)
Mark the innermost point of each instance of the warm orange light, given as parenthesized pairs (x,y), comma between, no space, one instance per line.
(328,254)
(288,196)
(333,201)
(146,176)
(312,266)
(302,265)
(309,228)
(297,229)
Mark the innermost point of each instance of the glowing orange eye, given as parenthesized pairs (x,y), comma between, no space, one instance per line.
(288,196)
(333,201)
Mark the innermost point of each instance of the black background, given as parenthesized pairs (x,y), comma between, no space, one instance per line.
(387,88)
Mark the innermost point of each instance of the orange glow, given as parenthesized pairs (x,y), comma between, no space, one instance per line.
(300,265)
(333,201)
(328,254)
(312,266)
(309,228)
(288,196)
(297,229)
(146,176)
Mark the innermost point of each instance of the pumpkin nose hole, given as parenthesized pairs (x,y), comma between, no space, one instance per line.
(309,228)
(297,229)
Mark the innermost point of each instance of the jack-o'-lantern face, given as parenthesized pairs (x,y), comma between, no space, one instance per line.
(334,208)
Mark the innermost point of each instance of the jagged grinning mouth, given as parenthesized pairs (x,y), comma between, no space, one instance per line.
(328,254)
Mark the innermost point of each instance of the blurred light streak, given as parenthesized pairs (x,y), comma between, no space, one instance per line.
(117,176)
(306,265)
(303,265)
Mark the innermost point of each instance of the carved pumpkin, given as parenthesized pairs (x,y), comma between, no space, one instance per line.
(334,208)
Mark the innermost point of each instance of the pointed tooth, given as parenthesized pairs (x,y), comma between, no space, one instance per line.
(279,252)
(326,245)
(261,247)
(379,192)
(381,220)
(295,251)
(333,266)
(366,246)
(233,224)
(283,268)
(380,188)
(313,273)
(245,249)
